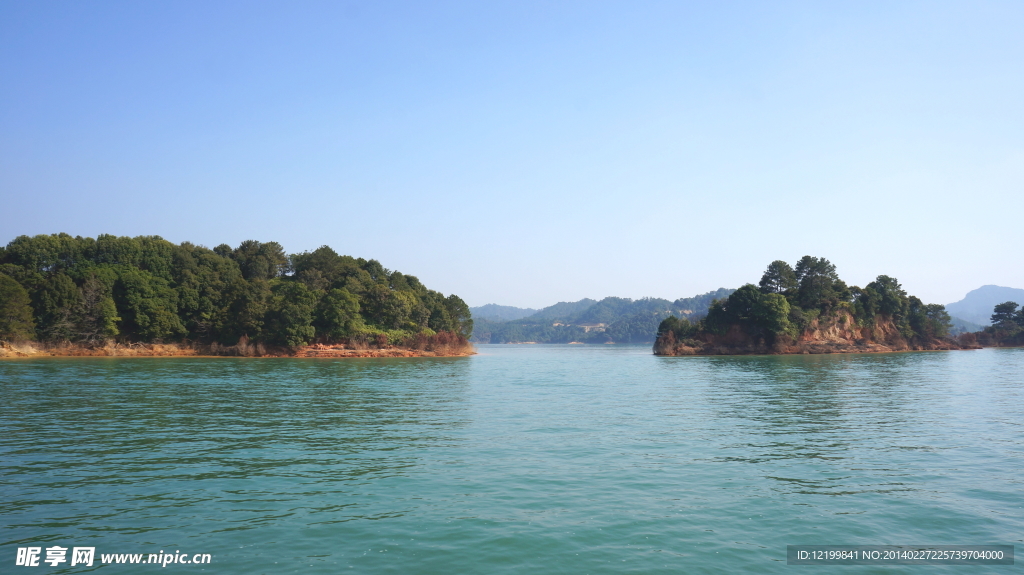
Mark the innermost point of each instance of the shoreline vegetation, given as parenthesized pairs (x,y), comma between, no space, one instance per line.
(807,309)
(121,296)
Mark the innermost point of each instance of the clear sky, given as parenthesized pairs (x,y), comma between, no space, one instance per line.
(525,153)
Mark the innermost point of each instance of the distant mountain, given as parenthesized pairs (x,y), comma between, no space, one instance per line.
(495,312)
(976,307)
(960,326)
(564,309)
(613,319)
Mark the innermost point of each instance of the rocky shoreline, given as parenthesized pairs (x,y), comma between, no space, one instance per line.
(839,335)
(800,348)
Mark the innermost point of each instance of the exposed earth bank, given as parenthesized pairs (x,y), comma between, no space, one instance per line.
(242,349)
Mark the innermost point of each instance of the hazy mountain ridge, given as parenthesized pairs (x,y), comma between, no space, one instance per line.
(563,309)
(977,305)
(959,326)
(613,319)
(495,312)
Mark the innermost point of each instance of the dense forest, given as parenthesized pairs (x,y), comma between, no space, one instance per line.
(621,320)
(58,288)
(792,299)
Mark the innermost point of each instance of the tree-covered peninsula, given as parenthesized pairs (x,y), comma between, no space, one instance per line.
(807,309)
(250,299)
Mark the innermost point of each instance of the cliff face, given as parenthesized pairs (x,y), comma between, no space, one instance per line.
(837,333)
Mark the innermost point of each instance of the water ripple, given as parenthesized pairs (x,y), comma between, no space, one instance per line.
(546,459)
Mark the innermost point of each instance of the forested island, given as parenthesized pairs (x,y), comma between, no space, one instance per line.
(806,308)
(145,295)
(610,320)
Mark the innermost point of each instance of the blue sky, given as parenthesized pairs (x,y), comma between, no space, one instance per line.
(525,153)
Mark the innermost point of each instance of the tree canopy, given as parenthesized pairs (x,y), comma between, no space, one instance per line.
(778,278)
(59,288)
(15,311)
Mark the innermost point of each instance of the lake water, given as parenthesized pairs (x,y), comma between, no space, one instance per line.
(523,459)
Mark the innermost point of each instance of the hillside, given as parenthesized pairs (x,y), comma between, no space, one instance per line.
(610,320)
(563,310)
(959,326)
(495,312)
(976,307)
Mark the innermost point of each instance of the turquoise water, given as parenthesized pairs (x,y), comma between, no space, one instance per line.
(523,459)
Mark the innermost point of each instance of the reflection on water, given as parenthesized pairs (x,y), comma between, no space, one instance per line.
(540,459)
(840,424)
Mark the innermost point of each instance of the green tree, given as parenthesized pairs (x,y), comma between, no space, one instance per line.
(378,273)
(46,253)
(250,301)
(718,318)
(55,305)
(927,322)
(670,323)
(891,298)
(741,304)
(324,261)
(259,260)
(156,256)
(682,328)
(291,314)
(865,303)
(439,320)
(819,285)
(378,309)
(337,315)
(778,278)
(148,305)
(314,280)
(1004,313)
(96,315)
(939,321)
(758,313)
(118,251)
(771,313)
(15,311)
(217,282)
(458,311)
